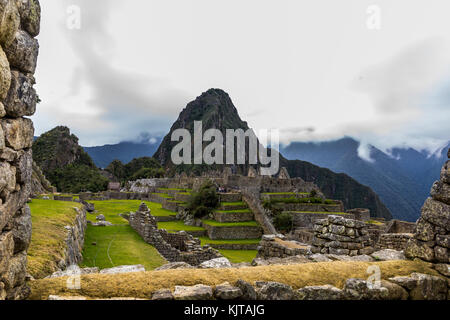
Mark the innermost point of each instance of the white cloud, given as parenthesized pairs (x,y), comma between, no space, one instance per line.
(311,69)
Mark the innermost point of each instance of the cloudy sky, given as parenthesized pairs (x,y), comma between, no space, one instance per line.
(314,69)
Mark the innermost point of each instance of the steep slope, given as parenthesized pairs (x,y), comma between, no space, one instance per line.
(216,110)
(402,181)
(64,162)
(123,151)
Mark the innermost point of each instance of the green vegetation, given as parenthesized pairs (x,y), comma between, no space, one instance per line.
(49,235)
(139,168)
(283,222)
(65,164)
(302,200)
(77,178)
(231,211)
(178,225)
(118,245)
(112,208)
(231,224)
(237,256)
(204,201)
(239,203)
(206,240)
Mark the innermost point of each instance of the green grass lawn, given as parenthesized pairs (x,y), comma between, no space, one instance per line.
(49,217)
(177,226)
(231,224)
(118,245)
(206,240)
(239,203)
(237,256)
(237,211)
(112,208)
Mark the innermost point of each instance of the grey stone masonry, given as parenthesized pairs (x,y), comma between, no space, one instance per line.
(277,246)
(19,24)
(337,235)
(174,247)
(431,240)
(396,241)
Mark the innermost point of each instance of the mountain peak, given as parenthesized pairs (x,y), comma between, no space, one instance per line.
(213,108)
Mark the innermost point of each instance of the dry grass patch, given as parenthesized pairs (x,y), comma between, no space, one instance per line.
(142,285)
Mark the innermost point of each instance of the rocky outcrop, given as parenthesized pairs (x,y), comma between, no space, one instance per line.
(19,24)
(39,183)
(431,240)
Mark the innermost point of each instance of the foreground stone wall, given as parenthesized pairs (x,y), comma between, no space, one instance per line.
(431,241)
(19,24)
(415,287)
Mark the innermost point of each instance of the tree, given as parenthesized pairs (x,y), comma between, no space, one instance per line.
(204,201)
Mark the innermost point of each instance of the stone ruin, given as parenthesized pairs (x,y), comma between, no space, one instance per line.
(19,24)
(431,240)
(337,235)
(174,247)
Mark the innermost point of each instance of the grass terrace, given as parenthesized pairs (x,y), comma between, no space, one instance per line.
(231,224)
(239,203)
(49,217)
(112,208)
(206,240)
(107,247)
(230,211)
(238,256)
(175,226)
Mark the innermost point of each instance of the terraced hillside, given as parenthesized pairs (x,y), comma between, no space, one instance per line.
(231,229)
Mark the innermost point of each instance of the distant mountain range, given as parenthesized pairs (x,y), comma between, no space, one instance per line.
(123,151)
(402,180)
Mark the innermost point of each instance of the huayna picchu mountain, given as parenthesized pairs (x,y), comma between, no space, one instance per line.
(65,164)
(216,111)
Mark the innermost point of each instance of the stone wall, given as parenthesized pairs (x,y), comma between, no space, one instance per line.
(308,220)
(431,240)
(337,235)
(19,24)
(232,233)
(173,247)
(277,246)
(396,241)
(75,240)
(397,226)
